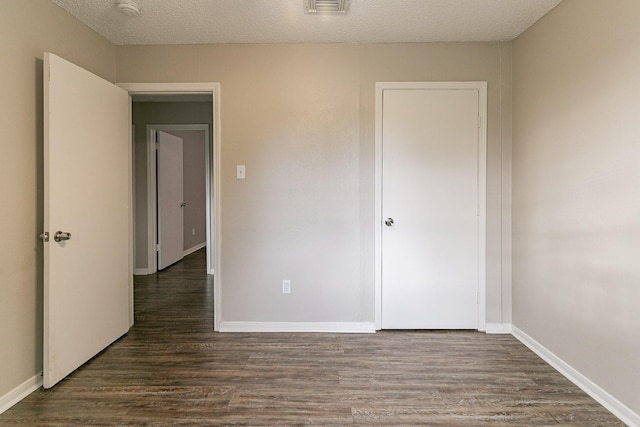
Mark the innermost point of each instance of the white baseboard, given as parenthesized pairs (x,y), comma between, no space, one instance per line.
(616,407)
(145,271)
(329,327)
(20,392)
(195,248)
(498,328)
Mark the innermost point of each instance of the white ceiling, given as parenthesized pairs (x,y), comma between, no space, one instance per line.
(284,21)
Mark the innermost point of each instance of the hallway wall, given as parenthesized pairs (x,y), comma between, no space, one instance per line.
(158,113)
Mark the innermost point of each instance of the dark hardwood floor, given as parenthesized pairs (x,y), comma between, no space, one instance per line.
(172,369)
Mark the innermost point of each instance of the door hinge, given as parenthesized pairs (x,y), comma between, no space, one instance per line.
(479,121)
(158,247)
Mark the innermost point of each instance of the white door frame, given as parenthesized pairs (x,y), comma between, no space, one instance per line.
(152,198)
(214,208)
(482,187)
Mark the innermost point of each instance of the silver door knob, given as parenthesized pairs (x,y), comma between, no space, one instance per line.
(389,222)
(61,235)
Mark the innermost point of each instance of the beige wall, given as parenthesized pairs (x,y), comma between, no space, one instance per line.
(27,30)
(301,118)
(158,113)
(576,186)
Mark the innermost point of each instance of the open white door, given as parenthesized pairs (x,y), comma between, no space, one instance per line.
(87,193)
(170,199)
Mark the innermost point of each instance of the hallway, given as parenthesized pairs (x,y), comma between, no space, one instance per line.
(172,369)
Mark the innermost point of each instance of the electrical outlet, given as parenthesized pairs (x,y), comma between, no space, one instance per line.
(286,286)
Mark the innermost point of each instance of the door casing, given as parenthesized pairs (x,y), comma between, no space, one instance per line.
(214,209)
(482,185)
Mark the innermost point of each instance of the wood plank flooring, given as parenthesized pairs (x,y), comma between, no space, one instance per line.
(172,369)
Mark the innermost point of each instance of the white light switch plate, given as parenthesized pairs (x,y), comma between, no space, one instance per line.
(240,171)
(286,286)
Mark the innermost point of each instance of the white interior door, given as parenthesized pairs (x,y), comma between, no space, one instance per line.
(87,193)
(430,208)
(170,199)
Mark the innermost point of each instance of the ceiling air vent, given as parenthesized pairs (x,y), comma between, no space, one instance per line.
(326,6)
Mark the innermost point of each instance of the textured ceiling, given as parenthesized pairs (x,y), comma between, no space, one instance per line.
(283,21)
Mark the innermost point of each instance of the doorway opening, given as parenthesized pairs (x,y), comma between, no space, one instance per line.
(195,195)
(183,93)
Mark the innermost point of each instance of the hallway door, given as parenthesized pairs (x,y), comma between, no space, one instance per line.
(170,199)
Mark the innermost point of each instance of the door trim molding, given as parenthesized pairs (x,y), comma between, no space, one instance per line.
(214,225)
(481,87)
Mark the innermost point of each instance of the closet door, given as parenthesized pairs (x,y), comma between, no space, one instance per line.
(430,208)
